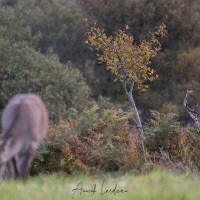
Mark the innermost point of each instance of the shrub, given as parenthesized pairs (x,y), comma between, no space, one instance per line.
(23,69)
(96,139)
(171,145)
(160,130)
(103,141)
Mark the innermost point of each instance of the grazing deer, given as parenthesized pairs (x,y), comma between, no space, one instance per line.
(24,123)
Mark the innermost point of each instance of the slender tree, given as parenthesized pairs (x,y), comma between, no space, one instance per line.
(126,59)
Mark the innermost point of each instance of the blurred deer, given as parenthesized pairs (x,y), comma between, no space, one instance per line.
(24,123)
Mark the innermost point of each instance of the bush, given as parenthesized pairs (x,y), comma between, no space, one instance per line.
(171,145)
(94,140)
(60,25)
(23,69)
(103,141)
(160,130)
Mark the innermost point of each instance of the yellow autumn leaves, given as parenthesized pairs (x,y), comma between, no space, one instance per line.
(123,57)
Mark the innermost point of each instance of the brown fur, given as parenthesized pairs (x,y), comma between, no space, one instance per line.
(24,124)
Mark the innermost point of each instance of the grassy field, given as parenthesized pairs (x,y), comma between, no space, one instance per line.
(156,185)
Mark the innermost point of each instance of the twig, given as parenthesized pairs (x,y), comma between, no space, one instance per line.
(194,114)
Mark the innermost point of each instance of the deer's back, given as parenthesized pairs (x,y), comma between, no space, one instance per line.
(25,115)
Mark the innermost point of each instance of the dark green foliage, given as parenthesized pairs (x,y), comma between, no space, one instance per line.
(60,24)
(171,145)
(86,120)
(180,17)
(160,130)
(23,69)
(61,86)
(182,21)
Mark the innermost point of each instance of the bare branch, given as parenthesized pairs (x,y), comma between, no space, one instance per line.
(131,87)
(186,96)
(125,87)
(194,114)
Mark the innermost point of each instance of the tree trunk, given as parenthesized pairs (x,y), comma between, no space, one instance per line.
(137,116)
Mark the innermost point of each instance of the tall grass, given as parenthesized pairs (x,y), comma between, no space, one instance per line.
(152,186)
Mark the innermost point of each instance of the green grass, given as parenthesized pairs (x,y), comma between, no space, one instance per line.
(156,185)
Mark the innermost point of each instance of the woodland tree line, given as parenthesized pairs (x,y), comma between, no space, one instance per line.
(43,50)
